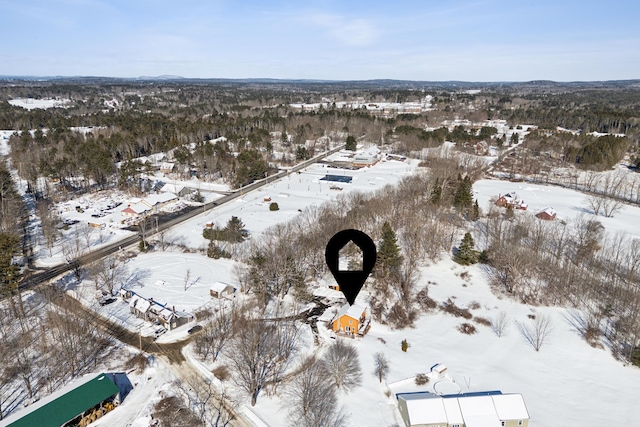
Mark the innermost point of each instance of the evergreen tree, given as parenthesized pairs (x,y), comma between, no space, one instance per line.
(234,230)
(463,198)
(475,213)
(466,254)
(351,143)
(9,272)
(389,258)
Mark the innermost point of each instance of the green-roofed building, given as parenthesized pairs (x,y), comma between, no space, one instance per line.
(67,405)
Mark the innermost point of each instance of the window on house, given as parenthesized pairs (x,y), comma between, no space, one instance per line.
(520,422)
(351,322)
(502,423)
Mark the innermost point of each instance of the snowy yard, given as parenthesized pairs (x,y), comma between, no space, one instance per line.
(566,381)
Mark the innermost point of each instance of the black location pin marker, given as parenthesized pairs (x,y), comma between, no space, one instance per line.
(350,281)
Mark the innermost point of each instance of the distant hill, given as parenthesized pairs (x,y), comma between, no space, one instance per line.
(534,85)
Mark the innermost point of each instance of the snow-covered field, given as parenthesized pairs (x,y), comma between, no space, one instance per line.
(567,381)
(566,202)
(293,194)
(31,104)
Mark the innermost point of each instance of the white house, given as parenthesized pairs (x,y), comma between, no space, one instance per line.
(136,210)
(155,202)
(483,409)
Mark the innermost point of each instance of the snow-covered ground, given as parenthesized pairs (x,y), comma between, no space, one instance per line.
(31,104)
(161,276)
(293,194)
(566,202)
(567,381)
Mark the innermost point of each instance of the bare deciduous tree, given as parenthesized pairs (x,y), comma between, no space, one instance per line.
(106,273)
(312,398)
(212,406)
(72,249)
(380,365)
(499,323)
(260,352)
(343,365)
(610,206)
(538,333)
(215,334)
(594,202)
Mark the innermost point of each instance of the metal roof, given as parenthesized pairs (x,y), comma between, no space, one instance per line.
(65,404)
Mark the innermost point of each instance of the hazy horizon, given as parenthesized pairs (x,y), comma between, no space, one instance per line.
(471,41)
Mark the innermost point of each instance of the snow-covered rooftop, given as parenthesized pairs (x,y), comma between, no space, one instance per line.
(220,286)
(510,407)
(423,409)
(354,310)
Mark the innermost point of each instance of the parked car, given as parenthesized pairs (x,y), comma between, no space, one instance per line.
(158,332)
(106,300)
(195,329)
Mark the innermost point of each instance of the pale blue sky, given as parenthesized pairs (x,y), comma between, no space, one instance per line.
(491,40)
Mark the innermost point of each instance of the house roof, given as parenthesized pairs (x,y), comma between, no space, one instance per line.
(154,199)
(220,287)
(510,407)
(140,303)
(548,211)
(452,409)
(478,411)
(481,409)
(137,209)
(65,404)
(424,409)
(355,311)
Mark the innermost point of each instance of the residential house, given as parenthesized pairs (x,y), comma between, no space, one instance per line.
(221,290)
(168,317)
(511,200)
(547,214)
(351,320)
(136,211)
(139,307)
(155,202)
(166,167)
(480,409)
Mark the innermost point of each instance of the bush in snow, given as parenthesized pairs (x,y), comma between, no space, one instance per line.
(421,379)
(467,328)
(274,206)
(404,345)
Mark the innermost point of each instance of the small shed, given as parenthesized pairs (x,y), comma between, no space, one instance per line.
(438,370)
(221,289)
(125,293)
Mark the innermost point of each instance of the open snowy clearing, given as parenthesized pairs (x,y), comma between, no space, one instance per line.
(567,203)
(293,194)
(43,104)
